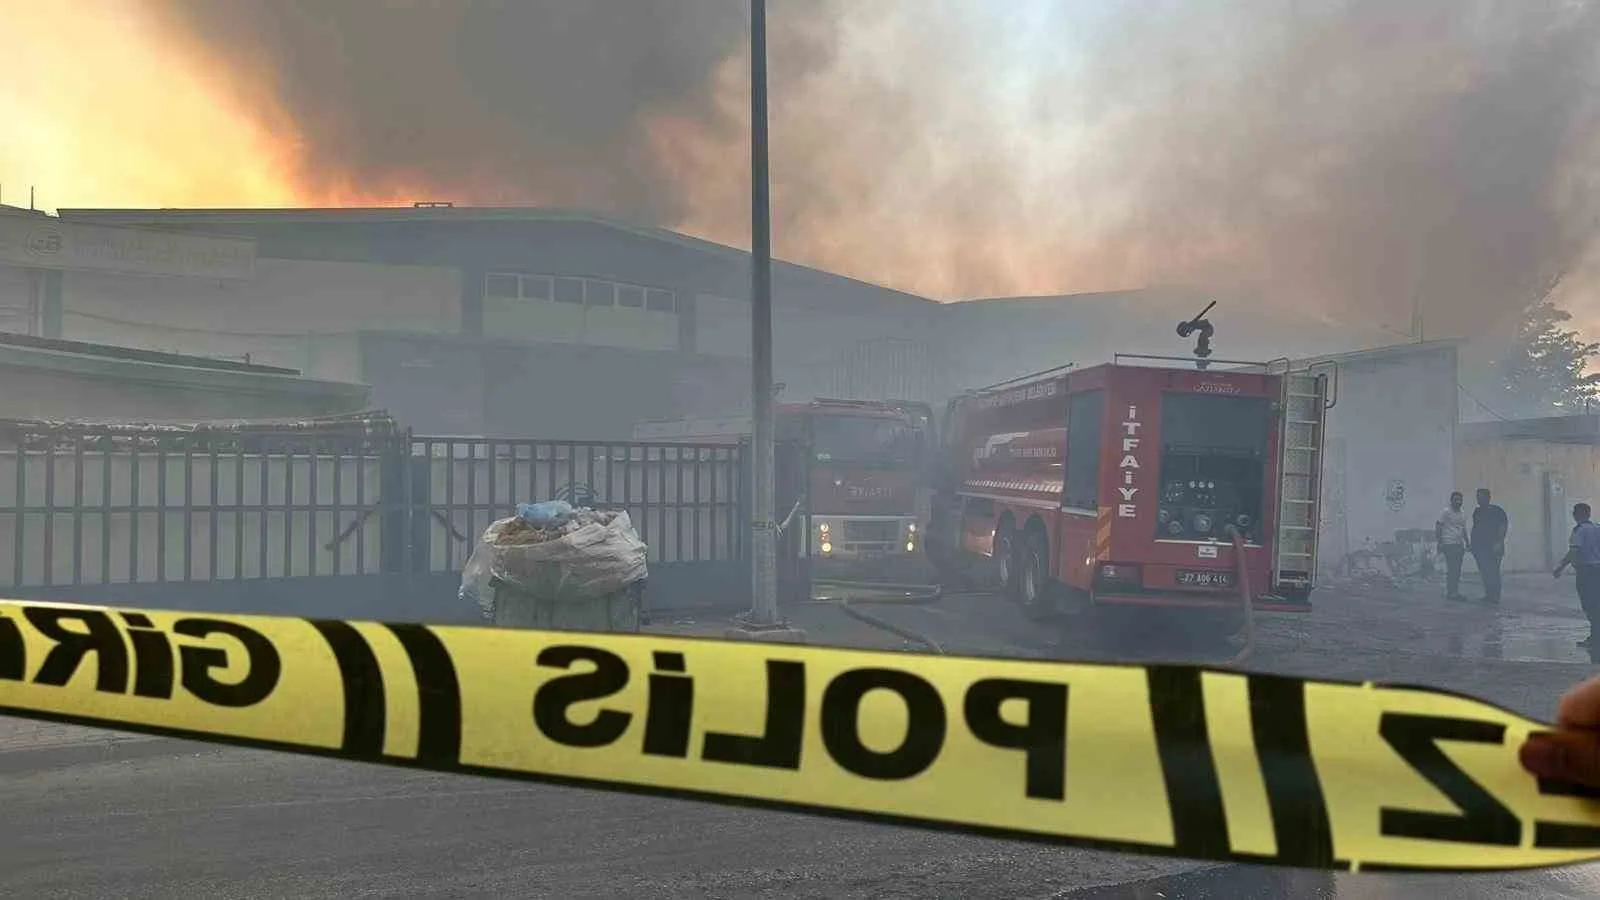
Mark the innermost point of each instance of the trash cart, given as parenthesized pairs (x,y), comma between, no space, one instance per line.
(556,567)
(515,607)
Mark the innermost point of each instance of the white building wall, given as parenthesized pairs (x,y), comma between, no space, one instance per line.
(296,313)
(1389,461)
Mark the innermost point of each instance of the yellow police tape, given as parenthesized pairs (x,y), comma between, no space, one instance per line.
(1173,760)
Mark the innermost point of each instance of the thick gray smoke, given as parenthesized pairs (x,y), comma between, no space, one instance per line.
(1358,154)
(1347,155)
(477,100)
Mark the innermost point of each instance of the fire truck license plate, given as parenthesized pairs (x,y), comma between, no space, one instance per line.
(1206,579)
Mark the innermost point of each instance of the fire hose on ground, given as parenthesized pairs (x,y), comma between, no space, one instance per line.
(1245,597)
(908,594)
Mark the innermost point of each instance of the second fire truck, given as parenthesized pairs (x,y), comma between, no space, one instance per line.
(864,500)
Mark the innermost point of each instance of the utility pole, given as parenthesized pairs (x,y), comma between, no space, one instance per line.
(763,537)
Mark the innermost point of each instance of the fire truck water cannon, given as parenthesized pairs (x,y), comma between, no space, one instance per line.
(1202,325)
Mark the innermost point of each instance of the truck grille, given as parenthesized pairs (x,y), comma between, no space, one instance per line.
(881,532)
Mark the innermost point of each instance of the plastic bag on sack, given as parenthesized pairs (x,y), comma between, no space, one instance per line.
(588,557)
(547,514)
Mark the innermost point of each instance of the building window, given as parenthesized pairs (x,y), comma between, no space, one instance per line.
(500,287)
(576,290)
(535,287)
(569,290)
(600,293)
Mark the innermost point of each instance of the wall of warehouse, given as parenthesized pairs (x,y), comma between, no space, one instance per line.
(1536,482)
(300,314)
(1389,456)
(856,354)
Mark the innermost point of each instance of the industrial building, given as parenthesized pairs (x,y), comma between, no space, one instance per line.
(517,321)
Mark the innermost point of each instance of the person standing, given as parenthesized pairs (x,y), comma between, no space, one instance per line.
(1488,543)
(1450,531)
(1583,554)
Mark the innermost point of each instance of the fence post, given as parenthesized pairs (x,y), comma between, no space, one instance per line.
(397,504)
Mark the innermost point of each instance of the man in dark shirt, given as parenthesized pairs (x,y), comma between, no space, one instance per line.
(1488,543)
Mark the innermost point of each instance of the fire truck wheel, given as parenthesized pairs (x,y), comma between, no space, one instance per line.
(1005,560)
(1033,576)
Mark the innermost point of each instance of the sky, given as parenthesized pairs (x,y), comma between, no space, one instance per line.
(1345,158)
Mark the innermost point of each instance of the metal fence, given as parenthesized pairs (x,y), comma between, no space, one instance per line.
(108,504)
(684,500)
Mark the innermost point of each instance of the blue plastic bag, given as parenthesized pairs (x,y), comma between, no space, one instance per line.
(545,514)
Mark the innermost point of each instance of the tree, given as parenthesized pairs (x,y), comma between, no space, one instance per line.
(1546,371)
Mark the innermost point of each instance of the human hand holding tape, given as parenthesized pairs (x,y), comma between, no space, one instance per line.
(1170,760)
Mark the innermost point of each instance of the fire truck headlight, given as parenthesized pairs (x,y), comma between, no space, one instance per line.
(827,547)
(1175,528)
(1203,523)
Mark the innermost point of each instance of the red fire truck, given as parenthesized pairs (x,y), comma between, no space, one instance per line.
(1123,485)
(867,461)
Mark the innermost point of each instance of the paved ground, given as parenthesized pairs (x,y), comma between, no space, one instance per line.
(91,814)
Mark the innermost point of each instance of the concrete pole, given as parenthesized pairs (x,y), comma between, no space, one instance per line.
(763,543)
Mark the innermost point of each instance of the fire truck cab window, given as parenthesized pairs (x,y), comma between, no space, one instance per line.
(862,439)
(1213,465)
(1084,414)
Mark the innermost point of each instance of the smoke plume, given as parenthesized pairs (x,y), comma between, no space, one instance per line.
(1349,156)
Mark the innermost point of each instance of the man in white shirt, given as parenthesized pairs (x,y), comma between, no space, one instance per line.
(1451,533)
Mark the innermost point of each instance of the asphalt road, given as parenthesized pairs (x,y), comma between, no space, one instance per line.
(160,820)
(165,819)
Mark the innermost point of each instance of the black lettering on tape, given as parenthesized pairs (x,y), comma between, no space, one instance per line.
(438,695)
(1483,819)
(101,637)
(556,696)
(671,709)
(152,657)
(1194,795)
(1042,736)
(841,720)
(13,652)
(778,746)
(362,681)
(262,665)
(1566,835)
(1278,724)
